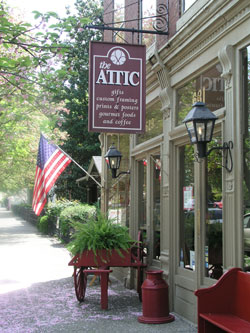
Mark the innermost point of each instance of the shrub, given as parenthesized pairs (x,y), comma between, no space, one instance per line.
(77,213)
(55,208)
(43,224)
(53,211)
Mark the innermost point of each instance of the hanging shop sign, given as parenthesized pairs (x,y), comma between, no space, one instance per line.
(117,88)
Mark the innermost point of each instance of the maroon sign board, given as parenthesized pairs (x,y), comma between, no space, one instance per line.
(117,88)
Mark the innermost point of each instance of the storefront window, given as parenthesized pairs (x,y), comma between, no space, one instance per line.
(119,188)
(142,193)
(246,155)
(154,123)
(187,202)
(214,220)
(208,87)
(156,204)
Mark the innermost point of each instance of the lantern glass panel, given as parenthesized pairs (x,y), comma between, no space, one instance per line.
(200,131)
(209,131)
(204,130)
(191,131)
(114,162)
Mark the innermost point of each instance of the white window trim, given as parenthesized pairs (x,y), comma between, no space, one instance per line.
(190,13)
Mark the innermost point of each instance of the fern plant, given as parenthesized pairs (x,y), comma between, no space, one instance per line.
(98,233)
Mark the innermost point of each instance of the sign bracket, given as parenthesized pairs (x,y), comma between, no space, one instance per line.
(160,25)
(102,27)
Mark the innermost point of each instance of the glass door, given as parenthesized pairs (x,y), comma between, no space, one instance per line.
(187,204)
(149,199)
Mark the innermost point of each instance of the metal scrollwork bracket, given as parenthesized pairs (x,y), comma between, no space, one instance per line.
(161,22)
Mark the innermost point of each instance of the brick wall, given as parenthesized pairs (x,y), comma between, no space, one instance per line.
(132,13)
(173,16)
(108,16)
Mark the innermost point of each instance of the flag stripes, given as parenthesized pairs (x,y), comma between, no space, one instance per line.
(51,162)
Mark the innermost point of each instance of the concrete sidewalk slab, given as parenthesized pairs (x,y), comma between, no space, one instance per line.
(52,307)
(28,257)
(37,290)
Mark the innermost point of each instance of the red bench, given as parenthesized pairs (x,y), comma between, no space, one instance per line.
(225,307)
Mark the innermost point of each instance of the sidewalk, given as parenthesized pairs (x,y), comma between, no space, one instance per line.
(37,291)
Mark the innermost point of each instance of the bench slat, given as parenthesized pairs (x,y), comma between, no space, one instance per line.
(227,322)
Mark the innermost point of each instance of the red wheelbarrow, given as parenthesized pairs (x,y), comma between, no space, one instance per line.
(100,263)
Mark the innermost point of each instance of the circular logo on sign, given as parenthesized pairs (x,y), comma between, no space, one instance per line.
(118,57)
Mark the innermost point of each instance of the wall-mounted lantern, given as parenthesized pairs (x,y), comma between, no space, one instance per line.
(114,157)
(200,126)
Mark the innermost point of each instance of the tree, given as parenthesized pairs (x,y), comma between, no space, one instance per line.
(25,96)
(44,86)
(25,53)
(80,145)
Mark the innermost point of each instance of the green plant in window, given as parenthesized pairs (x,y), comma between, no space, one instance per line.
(246,261)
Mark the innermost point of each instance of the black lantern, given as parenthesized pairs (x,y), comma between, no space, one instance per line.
(200,126)
(114,160)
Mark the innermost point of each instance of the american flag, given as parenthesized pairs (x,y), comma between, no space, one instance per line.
(51,162)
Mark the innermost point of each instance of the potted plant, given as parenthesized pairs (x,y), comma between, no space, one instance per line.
(100,243)
(99,237)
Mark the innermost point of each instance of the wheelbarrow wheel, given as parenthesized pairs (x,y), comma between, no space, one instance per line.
(140,255)
(80,280)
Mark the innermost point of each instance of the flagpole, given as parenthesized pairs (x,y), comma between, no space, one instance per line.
(80,166)
(77,164)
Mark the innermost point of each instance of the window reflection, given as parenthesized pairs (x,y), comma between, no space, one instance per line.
(187,246)
(156,204)
(142,193)
(246,155)
(214,219)
(154,123)
(118,204)
(207,87)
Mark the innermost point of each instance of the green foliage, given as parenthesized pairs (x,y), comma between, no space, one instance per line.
(43,224)
(39,73)
(18,209)
(53,211)
(246,261)
(18,147)
(24,53)
(68,216)
(80,144)
(24,95)
(97,233)
(77,212)
(44,87)
(55,208)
